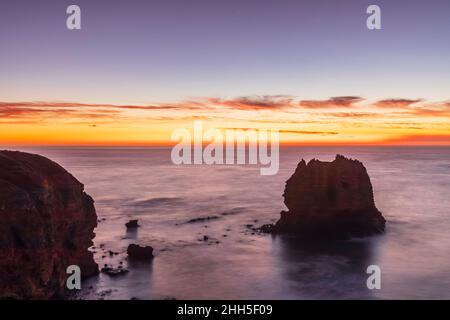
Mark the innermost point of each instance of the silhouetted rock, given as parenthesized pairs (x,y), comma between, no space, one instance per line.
(46,225)
(329,200)
(132,224)
(137,252)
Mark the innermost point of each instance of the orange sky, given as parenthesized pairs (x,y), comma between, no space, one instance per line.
(348,120)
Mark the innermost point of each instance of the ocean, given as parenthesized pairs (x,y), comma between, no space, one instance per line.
(411,188)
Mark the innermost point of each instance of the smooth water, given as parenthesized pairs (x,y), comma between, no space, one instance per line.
(411,187)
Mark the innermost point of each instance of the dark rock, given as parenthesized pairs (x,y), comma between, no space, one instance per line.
(329,200)
(137,252)
(205,238)
(267,228)
(114,272)
(201,219)
(132,224)
(46,224)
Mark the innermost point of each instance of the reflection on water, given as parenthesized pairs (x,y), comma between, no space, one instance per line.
(326,270)
(411,189)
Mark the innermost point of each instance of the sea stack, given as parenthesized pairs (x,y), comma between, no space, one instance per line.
(46,225)
(329,201)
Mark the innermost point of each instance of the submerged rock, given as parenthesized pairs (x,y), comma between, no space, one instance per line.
(46,225)
(137,252)
(329,200)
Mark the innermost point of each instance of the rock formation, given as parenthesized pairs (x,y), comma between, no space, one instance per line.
(46,224)
(137,252)
(132,224)
(329,200)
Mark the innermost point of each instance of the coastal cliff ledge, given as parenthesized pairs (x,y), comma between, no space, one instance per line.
(46,224)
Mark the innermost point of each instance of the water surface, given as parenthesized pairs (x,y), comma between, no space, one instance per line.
(411,187)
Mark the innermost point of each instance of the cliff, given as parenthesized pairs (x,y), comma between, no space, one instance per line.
(329,200)
(46,224)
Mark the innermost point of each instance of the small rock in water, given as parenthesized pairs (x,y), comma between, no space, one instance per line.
(132,224)
(201,219)
(137,252)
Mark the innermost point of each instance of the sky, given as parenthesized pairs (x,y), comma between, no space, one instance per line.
(137,70)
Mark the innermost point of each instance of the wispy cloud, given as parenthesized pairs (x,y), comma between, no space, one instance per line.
(285,109)
(334,102)
(275,102)
(349,119)
(353,115)
(396,103)
(326,133)
(417,107)
(287,131)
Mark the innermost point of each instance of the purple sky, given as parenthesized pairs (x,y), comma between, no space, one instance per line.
(165,50)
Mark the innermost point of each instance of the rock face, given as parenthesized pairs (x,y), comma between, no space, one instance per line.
(46,224)
(329,200)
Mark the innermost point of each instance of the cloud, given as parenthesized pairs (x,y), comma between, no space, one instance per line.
(408,107)
(184,105)
(255,103)
(286,105)
(432,110)
(286,131)
(353,114)
(334,102)
(23,113)
(396,103)
(310,132)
